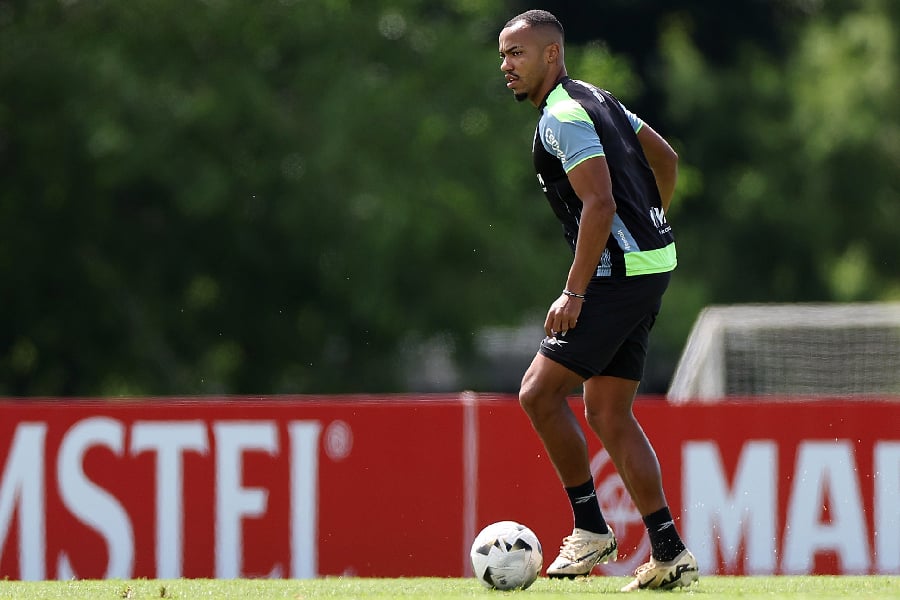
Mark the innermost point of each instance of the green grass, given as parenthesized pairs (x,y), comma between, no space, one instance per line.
(709,588)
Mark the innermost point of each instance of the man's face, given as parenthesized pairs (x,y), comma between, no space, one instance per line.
(523,54)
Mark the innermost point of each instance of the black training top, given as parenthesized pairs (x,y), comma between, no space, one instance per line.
(580,121)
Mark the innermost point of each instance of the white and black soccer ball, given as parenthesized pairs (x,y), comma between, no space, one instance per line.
(507,555)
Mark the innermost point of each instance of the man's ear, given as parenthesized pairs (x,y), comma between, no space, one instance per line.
(552,53)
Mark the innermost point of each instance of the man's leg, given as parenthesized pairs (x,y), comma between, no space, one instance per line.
(545,387)
(608,410)
(607,405)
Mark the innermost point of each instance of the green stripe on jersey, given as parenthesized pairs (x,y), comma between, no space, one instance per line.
(645,262)
(564,108)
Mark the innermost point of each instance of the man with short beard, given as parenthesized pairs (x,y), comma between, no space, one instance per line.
(609,178)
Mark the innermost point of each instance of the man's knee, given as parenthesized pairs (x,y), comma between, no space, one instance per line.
(530,397)
(597,417)
(608,419)
(538,399)
(545,387)
(608,403)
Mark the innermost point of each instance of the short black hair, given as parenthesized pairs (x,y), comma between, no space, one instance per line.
(538,18)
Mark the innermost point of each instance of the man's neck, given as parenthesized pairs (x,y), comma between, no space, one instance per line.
(550,82)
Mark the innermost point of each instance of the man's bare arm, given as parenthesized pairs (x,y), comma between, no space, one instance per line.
(663,160)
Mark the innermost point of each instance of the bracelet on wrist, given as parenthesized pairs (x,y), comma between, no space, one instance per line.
(573,294)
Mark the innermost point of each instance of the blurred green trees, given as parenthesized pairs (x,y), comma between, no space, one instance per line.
(295,196)
(794,161)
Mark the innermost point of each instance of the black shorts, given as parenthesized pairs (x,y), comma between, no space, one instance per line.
(613,328)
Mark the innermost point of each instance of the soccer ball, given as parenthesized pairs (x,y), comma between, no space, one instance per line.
(506,556)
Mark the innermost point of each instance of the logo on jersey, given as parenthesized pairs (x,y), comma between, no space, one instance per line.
(553,144)
(592,89)
(658,216)
(604,269)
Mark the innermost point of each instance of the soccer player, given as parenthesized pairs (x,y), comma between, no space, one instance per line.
(609,178)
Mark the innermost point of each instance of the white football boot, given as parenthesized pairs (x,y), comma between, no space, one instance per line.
(581,552)
(682,571)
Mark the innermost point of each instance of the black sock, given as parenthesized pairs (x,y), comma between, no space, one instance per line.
(665,543)
(586,508)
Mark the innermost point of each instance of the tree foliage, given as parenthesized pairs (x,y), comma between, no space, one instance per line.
(219,197)
(296,195)
(796,196)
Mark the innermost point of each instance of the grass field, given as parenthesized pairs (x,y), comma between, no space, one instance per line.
(709,588)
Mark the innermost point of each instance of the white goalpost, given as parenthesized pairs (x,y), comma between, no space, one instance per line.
(802,350)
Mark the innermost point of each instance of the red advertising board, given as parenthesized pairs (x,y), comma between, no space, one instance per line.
(761,486)
(398,486)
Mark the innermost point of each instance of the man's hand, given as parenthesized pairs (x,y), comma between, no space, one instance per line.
(563,315)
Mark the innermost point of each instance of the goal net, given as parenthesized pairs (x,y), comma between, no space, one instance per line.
(790,350)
